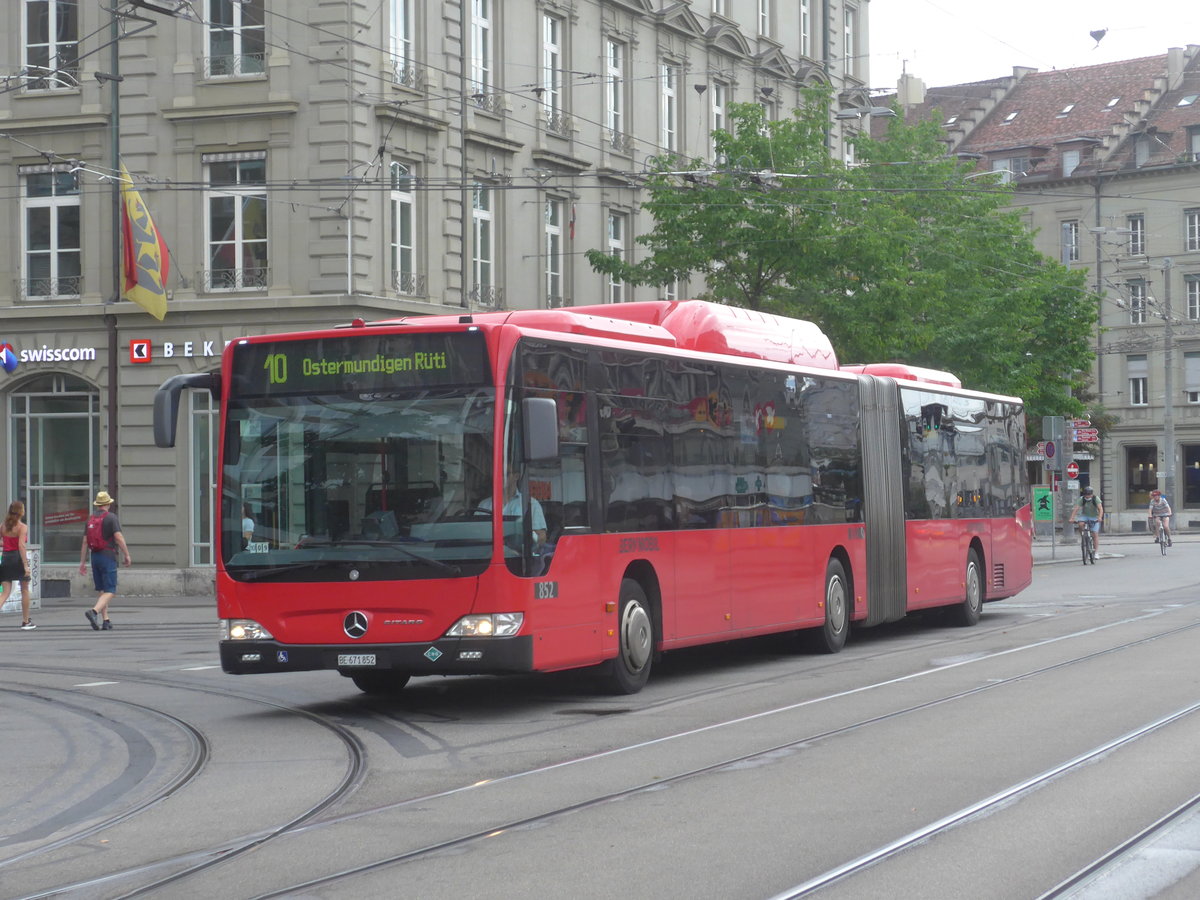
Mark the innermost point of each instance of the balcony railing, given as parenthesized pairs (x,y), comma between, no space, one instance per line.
(410,284)
(559,123)
(410,76)
(40,78)
(619,142)
(215,281)
(34,290)
(238,66)
(488,101)
(487,296)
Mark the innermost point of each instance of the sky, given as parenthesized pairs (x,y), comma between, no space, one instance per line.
(957,41)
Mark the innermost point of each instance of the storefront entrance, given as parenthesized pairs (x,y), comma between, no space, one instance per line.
(54,444)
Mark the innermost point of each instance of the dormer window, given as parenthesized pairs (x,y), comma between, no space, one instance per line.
(1113,102)
(1188,100)
(951,120)
(1065,110)
(1010,117)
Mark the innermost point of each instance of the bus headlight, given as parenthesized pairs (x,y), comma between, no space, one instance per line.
(243,630)
(488,625)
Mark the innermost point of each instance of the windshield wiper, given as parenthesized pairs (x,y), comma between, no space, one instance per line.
(393,545)
(254,573)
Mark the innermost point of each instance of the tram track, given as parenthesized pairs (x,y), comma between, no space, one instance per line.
(200,860)
(1127,854)
(495,828)
(355,772)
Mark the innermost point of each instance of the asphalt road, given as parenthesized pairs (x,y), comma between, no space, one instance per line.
(924,761)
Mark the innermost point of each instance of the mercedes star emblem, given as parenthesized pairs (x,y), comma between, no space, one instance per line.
(355,624)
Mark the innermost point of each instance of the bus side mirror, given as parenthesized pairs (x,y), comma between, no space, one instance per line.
(166,402)
(541,428)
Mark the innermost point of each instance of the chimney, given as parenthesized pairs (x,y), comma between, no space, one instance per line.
(1174,67)
(910,90)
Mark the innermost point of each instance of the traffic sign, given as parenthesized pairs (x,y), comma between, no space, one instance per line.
(1086,435)
(1072,470)
(1081,423)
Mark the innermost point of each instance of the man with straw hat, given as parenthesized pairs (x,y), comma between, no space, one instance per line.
(103,538)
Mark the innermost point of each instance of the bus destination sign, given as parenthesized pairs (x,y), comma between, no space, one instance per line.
(359,363)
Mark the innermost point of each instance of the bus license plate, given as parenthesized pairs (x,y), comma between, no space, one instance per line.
(356,659)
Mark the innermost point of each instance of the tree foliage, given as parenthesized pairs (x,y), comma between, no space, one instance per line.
(903,256)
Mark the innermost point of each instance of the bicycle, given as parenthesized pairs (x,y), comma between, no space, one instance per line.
(1087,542)
(1160,535)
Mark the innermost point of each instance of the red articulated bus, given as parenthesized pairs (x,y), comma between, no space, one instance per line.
(541,490)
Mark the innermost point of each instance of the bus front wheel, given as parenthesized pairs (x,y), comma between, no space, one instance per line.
(628,672)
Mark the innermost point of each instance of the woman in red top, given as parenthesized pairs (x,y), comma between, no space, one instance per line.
(14,534)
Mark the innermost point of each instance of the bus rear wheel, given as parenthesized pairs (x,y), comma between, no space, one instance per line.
(967,613)
(831,637)
(378,682)
(628,672)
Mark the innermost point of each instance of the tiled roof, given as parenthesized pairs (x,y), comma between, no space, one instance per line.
(1066,109)
(1101,111)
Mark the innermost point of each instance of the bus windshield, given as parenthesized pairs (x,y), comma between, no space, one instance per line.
(373,475)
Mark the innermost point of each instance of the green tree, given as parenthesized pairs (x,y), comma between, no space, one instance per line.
(904,256)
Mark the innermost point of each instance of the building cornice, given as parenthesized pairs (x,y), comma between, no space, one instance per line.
(232,111)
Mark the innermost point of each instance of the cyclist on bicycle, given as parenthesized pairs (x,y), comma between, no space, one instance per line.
(1090,510)
(1160,509)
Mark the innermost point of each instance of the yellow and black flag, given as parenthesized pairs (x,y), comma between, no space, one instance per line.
(145,261)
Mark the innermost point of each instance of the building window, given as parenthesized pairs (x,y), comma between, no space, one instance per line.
(1137,302)
(764,18)
(1191,229)
(1069,251)
(1141,475)
(617,224)
(669,107)
(405,277)
(204,411)
(719,7)
(1065,111)
(552,69)
(402,42)
(1191,474)
(236,39)
(481,49)
(1135,365)
(1191,376)
(50,233)
(236,200)
(1136,226)
(614,91)
(805,28)
(1011,168)
(554,251)
(1191,290)
(1070,161)
(54,427)
(850,35)
(51,50)
(1193,143)
(483,247)
(720,100)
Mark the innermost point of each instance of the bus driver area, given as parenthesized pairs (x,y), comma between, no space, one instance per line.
(702,473)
